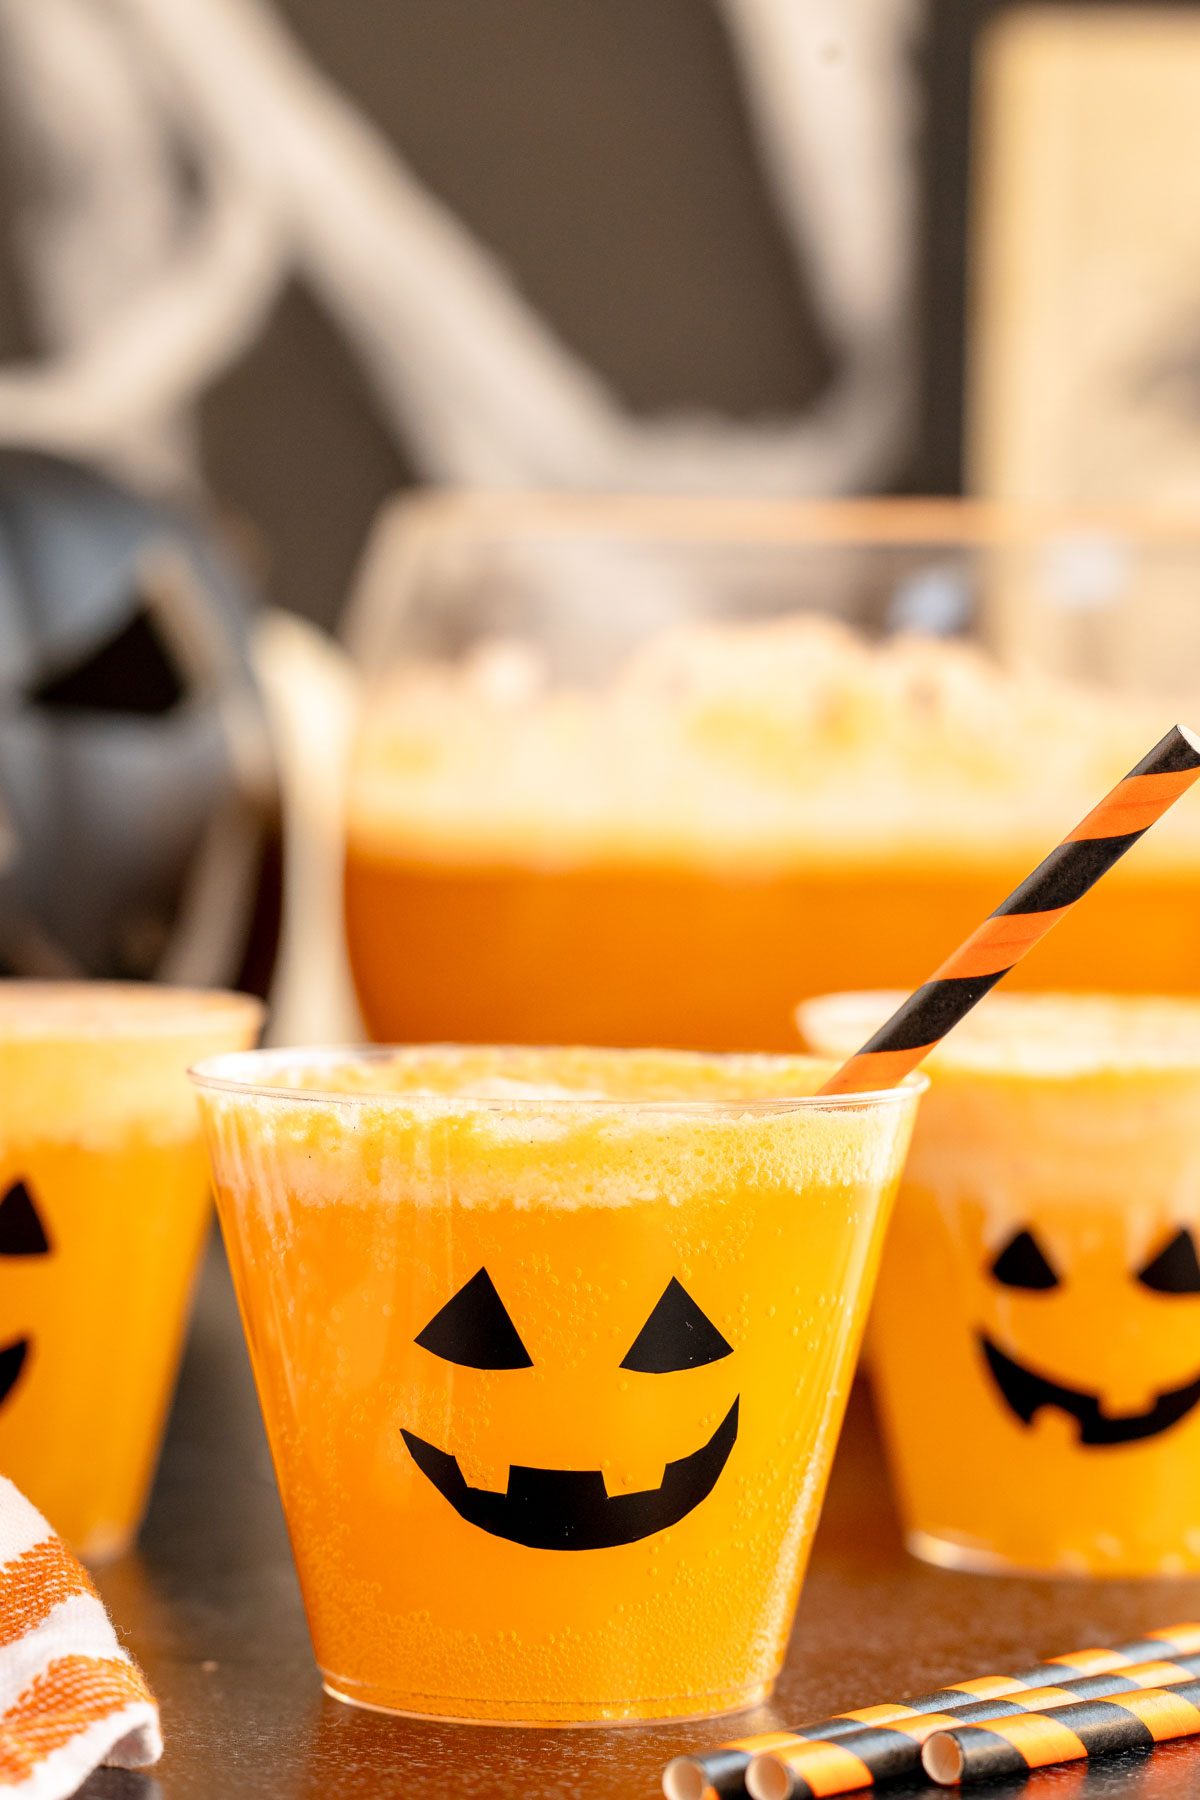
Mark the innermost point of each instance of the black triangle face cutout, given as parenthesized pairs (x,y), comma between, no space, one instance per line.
(474,1330)
(21,1231)
(1175,1270)
(1022,1264)
(677,1335)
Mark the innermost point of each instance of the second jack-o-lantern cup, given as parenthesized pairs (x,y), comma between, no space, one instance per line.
(103,1208)
(1035,1336)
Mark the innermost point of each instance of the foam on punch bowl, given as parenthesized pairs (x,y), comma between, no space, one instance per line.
(746,815)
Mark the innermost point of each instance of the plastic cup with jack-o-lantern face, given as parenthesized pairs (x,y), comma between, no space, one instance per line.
(1035,1344)
(104,1201)
(552,1348)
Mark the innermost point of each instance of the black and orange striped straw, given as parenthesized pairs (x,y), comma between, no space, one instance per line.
(875,1754)
(1035,1740)
(721,1774)
(1022,920)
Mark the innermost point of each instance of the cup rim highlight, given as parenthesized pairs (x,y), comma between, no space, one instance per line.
(246,1074)
(1041,1036)
(85,1010)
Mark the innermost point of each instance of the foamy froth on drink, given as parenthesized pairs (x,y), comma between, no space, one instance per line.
(745,815)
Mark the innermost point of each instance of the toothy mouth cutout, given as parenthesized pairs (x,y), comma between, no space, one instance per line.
(1026,1392)
(569,1509)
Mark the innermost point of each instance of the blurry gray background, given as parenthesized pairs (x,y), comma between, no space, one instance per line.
(601,147)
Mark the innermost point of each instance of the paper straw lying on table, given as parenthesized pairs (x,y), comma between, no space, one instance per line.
(880,1753)
(1033,1740)
(722,1772)
(1022,920)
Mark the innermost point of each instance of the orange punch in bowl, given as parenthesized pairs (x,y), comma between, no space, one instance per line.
(742,815)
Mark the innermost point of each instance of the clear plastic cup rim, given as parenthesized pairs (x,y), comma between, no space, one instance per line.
(118,1010)
(248,1075)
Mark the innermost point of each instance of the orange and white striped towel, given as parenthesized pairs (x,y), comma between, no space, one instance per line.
(70,1697)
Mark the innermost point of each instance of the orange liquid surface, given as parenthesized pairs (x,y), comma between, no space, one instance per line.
(700,959)
(349,1230)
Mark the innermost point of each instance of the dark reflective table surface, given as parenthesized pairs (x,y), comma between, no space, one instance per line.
(209,1605)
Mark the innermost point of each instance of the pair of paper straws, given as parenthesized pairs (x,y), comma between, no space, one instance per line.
(1088,1703)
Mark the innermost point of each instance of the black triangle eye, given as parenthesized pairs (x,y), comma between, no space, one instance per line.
(1175,1269)
(677,1335)
(1022,1264)
(21,1231)
(474,1330)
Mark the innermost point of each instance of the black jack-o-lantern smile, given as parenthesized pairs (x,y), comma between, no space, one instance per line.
(570,1509)
(1023,1263)
(21,1234)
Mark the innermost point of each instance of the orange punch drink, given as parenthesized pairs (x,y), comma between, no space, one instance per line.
(780,804)
(1035,1344)
(104,1199)
(552,1348)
